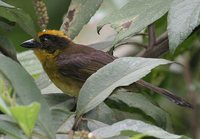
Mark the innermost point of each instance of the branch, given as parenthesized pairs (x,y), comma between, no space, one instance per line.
(160,48)
(193,96)
(152,35)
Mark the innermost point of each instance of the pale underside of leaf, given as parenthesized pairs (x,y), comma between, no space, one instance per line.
(135,16)
(121,72)
(140,102)
(183,18)
(79,14)
(134,125)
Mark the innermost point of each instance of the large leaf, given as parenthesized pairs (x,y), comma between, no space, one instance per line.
(138,101)
(60,105)
(34,67)
(183,18)
(11,129)
(26,116)
(20,17)
(134,125)
(121,72)
(79,13)
(27,91)
(135,16)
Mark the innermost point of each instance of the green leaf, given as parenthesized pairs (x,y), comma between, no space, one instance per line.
(26,116)
(135,16)
(12,130)
(134,125)
(6,24)
(183,18)
(20,17)
(60,105)
(7,48)
(138,136)
(121,72)
(61,117)
(3,107)
(132,134)
(185,137)
(94,124)
(102,113)
(27,91)
(3,4)
(55,99)
(79,14)
(30,62)
(67,125)
(140,102)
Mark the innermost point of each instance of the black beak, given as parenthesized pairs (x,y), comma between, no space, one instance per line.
(30,44)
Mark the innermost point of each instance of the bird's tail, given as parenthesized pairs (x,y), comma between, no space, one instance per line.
(179,101)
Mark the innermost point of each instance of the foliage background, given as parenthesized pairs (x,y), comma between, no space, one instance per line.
(181,81)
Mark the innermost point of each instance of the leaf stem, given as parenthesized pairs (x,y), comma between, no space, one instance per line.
(160,48)
(152,35)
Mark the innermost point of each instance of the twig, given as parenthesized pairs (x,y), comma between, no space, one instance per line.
(161,38)
(159,49)
(141,34)
(192,93)
(77,122)
(152,35)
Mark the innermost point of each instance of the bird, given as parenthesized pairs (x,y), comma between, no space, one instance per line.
(69,65)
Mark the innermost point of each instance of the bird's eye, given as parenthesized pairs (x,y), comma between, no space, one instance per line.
(46,39)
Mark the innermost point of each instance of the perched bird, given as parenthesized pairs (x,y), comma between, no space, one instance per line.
(68,65)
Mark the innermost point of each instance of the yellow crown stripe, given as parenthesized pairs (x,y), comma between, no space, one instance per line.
(52,32)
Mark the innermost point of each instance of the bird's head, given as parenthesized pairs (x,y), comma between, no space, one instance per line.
(48,41)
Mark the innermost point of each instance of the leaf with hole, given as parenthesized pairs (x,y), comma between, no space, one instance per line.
(79,14)
(134,17)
